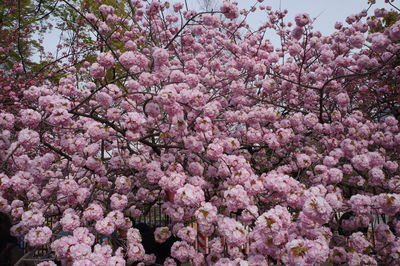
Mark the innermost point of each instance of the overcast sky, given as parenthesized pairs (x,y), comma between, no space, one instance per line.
(326,12)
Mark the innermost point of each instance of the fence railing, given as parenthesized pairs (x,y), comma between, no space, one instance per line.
(153,218)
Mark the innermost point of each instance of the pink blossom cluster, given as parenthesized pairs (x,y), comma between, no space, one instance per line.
(283,152)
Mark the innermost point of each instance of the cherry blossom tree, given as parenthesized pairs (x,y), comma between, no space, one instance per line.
(287,153)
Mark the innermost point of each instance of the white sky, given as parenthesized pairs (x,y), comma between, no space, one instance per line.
(327,13)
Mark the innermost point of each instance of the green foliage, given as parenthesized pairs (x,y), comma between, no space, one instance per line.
(19,20)
(387,21)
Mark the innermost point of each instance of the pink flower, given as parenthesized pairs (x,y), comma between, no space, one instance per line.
(358,242)
(113,114)
(360,204)
(173,182)
(387,203)
(190,195)
(82,262)
(32,218)
(355,259)
(343,99)
(123,184)
(335,175)
(116,261)
(104,99)
(376,176)
(92,18)
(68,186)
(7,120)
(97,71)
(169,262)
(214,151)
(233,231)
(38,236)
(187,234)
(196,168)
(133,85)
(106,60)
(60,116)
(105,226)
(229,10)
(236,198)
(106,9)
(160,57)
(47,263)
(28,138)
(118,202)
(82,235)
(302,19)
(133,235)
(182,251)
(135,252)
(175,212)
(146,79)
(206,214)
(178,6)
(93,212)
(360,162)
(134,121)
(379,41)
(30,117)
(303,160)
(297,33)
(394,31)
(129,59)
(118,219)
(80,251)
(70,221)
(306,252)
(177,76)
(317,209)
(21,181)
(161,234)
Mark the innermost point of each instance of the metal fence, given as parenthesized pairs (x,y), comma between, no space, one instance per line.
(153,218)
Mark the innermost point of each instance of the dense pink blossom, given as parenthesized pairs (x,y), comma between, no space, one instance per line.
(135,252)
(190,195)
(360,204)
(161,234)
(233,231)
(38,236)
(302,19)
(105,226)
(106,60)
(97,71)
(286,152)
(230,10)
(70,221)
(182,251)
(28,138)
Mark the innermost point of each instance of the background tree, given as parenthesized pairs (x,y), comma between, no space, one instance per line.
(208,5)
